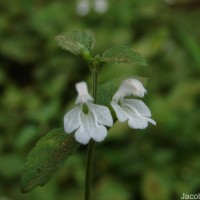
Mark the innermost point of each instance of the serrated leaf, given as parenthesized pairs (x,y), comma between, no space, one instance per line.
(46,158)
(122,54)
(75,41)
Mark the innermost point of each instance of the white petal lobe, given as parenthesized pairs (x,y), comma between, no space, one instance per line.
(121,115)
(102,114)
(137,123)
(138,105)
(71,120)
(89,129)
(99,133)
(82,136)
(151,121)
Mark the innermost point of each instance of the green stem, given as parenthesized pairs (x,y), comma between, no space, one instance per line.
(94,82)
(89,170)
(91,145)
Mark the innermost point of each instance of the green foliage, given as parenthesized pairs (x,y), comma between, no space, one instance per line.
(46,158)
(78,43)
(122,54)
(10,165)
(81,43)
(37,88)
(154,186)
(192,46)
(107,90)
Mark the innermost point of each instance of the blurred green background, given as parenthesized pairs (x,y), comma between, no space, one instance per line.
(37,86)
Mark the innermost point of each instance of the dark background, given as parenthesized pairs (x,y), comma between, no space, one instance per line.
(37,88)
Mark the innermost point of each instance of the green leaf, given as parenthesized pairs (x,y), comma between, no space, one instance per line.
(122,54)
(46,158)
(76,42)
(107,90)
(191,45)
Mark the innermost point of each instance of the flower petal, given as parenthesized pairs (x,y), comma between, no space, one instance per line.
(102,113)
(72,120)
(89,129)
(121,115)
(138,105)
(151,121)
(87,122)
(137,121)
(99,133)
(82,136)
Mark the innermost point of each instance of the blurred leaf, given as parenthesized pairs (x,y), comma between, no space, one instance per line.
(1,143)
(27,135)
(122,54)
(192,46)
(10,165)
(184,95)
(157,41)
(13,48)
(47,112)
(2,76)
(75,41)
(163,157)
(109,188)
(154,187)
(46,158)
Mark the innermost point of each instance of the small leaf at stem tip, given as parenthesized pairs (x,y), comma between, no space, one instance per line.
(46,158)
(75,41)
(122,54)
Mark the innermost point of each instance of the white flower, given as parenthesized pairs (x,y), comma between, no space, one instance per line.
(88,119)
(82,7)
(100,6)
(133,110)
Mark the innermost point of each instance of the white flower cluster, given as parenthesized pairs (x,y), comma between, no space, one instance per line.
(83,7)
(90,120)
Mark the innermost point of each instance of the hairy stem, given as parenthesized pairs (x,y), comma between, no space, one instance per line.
(91,145)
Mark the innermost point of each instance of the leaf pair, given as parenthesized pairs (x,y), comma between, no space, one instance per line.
(81,43)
